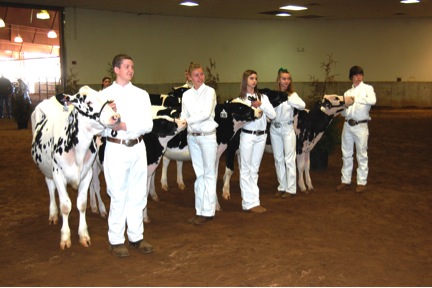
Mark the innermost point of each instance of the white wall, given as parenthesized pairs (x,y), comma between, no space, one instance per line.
(162,47)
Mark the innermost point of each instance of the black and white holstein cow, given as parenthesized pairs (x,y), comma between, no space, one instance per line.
(309,127)
(64,149)
(176,150)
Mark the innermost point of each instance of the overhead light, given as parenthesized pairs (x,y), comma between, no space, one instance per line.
(283,14)
(52,34)
(18,39)
(293,8)
(409,1)
(2,23)
(189,4)
(43,14)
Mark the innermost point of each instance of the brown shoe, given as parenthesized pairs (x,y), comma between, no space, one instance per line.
(288,195)
(279,193)
(258,209)
(201,220)
(142,246)
(191,220)
(360,188)
(119,250)
(342,186)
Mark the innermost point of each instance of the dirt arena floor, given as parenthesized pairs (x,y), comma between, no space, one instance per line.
(382,237)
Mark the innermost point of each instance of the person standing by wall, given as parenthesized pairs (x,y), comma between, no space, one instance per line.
(6,90)
(106,82)
(252,142)
(283,138)
(125,162)
(198,105)
(355,130)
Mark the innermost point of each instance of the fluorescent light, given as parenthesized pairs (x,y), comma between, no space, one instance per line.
(283,14)
(409,1)
(293,7)
(2,24)
(18,39)
(52,34)
(189,4)
(43,14)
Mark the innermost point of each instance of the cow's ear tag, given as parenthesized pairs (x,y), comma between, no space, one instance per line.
(223,114)
(65,107)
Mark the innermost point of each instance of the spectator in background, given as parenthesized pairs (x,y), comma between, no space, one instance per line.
(106,81)
(5,94)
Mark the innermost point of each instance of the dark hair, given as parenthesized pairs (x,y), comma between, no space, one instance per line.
(354,71)
(103,80)
(118,60)
(243,85)
(290,88)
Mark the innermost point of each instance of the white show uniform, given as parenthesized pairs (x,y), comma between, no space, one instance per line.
(357,135)
(125,168)
(283,140)
(198,110)
(252,144)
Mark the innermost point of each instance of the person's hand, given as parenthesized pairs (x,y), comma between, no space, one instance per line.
(113,105)
(256,103)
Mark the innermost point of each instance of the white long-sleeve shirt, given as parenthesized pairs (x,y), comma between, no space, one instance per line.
(198,109)
(364,98)
(133,105)
(268,112)
(285,111)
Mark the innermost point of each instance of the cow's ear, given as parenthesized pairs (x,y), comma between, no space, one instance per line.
(61,98)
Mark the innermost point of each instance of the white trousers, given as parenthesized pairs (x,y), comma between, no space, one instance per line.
(125,170)
(203,151)
(355,136)
(283,142)
(251,153)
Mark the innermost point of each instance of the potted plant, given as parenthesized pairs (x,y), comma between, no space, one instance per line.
(21,110)
(331,138)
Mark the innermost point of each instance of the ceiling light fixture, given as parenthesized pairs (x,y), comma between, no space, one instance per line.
(43,14)
(283,14)
(18,39)
(52,34)
(189,4)
(409,1)
(293,8)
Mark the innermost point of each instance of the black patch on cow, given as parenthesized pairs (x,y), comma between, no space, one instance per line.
(178,141)
(275,97)
(154,149)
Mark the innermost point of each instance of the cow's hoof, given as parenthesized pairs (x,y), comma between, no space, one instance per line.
(65,244)
(147,220)
(85,242)
(182,186)
(165,187)
(52,220)
(226,196)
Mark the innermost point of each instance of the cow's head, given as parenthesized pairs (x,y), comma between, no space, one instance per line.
(241,111)
(93,107)
(332,105)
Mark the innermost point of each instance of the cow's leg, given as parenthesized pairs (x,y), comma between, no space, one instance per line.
(53,209)
(164,180)
(150,183)
(307,169)
(95,192)
(226,183)
(180,181)
(82,208)
(301,170)
(65,208)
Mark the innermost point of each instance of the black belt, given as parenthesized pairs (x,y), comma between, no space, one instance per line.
(202,134)
(353,122)
(128,143)
(258,132)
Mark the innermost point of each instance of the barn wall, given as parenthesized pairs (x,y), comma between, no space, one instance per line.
(389,50)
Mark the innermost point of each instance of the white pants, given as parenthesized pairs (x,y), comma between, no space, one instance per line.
(203,151)
(125,170)
(283,142)
(355,135)
(251,153)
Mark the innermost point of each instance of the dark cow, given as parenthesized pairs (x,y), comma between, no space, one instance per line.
(64,149)
(309,127)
